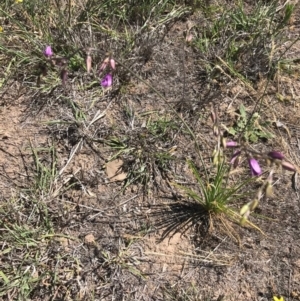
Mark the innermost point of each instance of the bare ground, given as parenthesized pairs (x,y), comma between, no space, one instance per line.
(114,246)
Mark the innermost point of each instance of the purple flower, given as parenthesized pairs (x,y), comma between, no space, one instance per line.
(254,167)
(230,144)
(276,155)
(48,51)
(107,81)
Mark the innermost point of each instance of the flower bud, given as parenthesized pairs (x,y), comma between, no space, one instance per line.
(269,190)
(244,209)
(254,167)
(259,194)
(224,140)
(270,177)
(244,219)
(216,130)
(216,158)
(112,64)
(288,166)
(276,155)
(88,63)
(213,116)
(235,158)
(253,204)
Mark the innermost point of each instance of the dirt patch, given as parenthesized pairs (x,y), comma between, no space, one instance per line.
(166,254)
(111,242)
(16,138)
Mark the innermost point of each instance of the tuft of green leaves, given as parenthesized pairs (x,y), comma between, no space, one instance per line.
(252,130)
(218,197)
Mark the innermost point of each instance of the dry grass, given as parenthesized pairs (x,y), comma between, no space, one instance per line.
(68,230)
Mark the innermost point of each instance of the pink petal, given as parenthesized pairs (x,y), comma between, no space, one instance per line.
(107,81)
(254,167)
(48,51)
(288,166)
(231,143)
(113,64)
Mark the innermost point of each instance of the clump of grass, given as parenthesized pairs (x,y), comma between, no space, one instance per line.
(28,234)
(242,42)
(274,160)
(148,152)
(218,198)
(23,247)
(124,258)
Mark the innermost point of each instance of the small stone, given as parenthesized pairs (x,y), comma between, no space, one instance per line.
(89,239)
